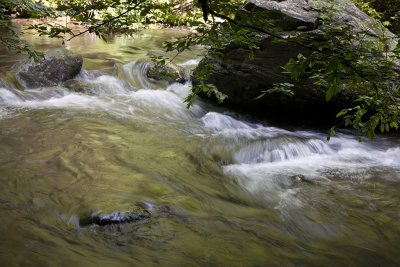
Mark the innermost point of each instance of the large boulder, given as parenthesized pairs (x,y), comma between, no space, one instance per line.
(57,65)
(242,79)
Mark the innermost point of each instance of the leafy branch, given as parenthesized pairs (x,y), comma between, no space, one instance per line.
(92,28)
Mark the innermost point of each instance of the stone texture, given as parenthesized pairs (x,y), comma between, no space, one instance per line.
(114,218)
(56,66)
(169,73)
(242,79)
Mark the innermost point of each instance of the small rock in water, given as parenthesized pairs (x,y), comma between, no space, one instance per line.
(298,178)
(169,73)
(114,218)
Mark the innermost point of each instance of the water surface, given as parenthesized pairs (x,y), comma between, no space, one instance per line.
(221,188)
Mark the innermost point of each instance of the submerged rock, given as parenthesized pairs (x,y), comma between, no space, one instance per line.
(242,79)
(56,66)
(9,81)
(78,86)
(299,178)
(5,84)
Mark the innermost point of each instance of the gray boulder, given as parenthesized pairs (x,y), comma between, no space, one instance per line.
(242,79)
(302,15)
(57,65)
(287,15)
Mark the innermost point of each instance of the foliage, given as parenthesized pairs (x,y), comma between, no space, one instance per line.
(281,88)
(364,61)
(387,10)
(11,38)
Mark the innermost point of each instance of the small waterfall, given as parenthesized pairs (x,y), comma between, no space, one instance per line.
(281,149)
(270,162)
(134,72)
(254,143)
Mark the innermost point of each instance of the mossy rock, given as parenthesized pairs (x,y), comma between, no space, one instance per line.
(9,81)
(169,73)
(78,86)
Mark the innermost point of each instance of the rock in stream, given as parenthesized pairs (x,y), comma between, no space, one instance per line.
(169,72)
(57,65)
(114,218)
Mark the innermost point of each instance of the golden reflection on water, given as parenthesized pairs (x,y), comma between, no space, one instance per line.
(56,167)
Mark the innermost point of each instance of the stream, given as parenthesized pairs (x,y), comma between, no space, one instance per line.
(212,187)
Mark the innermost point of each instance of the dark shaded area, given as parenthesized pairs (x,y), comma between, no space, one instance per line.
(243,79)
(389,9)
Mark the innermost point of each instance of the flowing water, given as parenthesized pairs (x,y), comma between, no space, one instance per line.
(217,188)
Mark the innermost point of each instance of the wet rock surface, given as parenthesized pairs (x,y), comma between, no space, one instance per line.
(57,65)
(114,218)
(169,72)
(5,84)
(78,86)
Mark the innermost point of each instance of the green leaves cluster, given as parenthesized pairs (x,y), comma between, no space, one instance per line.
(385,10)
(11,34)
(363,62)
(280,88)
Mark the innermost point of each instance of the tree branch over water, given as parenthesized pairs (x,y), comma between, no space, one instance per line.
(91,28)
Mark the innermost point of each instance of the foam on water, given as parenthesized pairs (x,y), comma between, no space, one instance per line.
(269,162)
(190,63)
(220,122)
(254,143)
(135,74)
(107,93)
(49,98)
(165,103)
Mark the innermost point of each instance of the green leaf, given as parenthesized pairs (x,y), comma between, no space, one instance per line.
(332,132)
(342,112)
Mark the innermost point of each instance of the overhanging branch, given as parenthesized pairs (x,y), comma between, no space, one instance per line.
(91,28)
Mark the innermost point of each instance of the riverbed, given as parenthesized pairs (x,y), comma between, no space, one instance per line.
(220,188)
